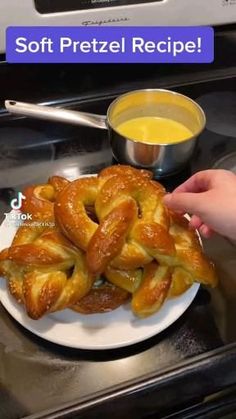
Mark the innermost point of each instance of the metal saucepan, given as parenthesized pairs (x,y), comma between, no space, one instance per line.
(163,159)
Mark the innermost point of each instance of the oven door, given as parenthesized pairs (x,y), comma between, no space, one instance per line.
(219,406)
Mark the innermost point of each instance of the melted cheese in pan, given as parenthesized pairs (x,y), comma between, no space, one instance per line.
(154,130)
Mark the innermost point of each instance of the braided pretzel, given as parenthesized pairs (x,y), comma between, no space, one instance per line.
(38,276)
(14,274)
(39,259)
(119,228)
(115,211)
(133,229)
(145,197)
(39,203)
(153,290)
(44,282)
(72,203)
(39,199)
(176,274)
(70,211)
(38,262)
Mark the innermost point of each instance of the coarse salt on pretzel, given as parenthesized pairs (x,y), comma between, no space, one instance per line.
(72,203)
(153,290)
(53,274)
(39,199)
(40,259)
(115,193)
(70,211)
(152,232)
(116,226)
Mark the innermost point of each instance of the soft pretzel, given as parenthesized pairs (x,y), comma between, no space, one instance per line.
(115,194)
(47,274)
(112,225)
(39,199)
(70,210)
(153,290)
(129,171)
(132,230)
(14,274)
(189,254)
(74,200)
(39,204)
(127,280)
(45,271)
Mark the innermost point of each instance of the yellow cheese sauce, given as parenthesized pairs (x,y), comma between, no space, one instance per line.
(154,130)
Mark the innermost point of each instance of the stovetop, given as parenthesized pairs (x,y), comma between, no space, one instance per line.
(36,375)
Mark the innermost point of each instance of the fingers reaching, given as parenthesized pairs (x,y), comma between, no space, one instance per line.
(184,202)
(176,201)
(199,182)
(206,231)
(195,222)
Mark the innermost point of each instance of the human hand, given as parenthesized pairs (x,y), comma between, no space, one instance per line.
(210,196)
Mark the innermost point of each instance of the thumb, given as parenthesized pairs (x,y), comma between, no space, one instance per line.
(184,202)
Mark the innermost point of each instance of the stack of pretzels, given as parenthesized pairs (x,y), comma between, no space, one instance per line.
(99,241)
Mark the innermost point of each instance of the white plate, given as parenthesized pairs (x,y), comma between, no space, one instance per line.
(97,331)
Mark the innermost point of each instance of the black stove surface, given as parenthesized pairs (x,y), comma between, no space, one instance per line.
(36,375)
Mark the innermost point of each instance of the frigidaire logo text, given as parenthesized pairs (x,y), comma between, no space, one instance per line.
(104,22)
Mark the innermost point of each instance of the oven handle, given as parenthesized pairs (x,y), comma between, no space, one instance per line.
(50,113)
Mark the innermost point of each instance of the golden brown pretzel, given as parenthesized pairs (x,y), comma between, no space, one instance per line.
(14,274)
(133,228)
(110,237)
(39,203)
(176,273)
(36,268)
(119,228)
(53,273)
(153,290)
(150,220)
(40,198)
(189,254)
(70,210)
(44,269)
(72,203)
(127,280)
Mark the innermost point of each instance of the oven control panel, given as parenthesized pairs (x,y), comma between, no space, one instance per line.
(55,6)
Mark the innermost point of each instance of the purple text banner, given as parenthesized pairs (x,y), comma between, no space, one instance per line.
(114,44)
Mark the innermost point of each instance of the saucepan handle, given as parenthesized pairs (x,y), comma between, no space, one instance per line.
(50,113)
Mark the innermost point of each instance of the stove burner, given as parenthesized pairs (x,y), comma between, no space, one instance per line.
(220,110)
(227,162)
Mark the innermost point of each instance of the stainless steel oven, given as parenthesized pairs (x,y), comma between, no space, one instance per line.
(114,12)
